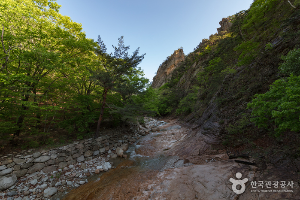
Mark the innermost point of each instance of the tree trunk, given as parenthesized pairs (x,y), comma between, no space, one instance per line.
(22,116)
(101,112)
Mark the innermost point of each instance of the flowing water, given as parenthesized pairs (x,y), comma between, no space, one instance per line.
(126,179)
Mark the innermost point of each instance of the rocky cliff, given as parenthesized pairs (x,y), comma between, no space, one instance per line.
(214,84)
(164,72)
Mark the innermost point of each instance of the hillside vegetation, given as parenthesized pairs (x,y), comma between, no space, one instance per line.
(243,85)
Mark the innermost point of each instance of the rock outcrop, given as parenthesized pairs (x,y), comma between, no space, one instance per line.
(164,72)
(225,25)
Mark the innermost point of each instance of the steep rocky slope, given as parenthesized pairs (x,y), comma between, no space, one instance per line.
(224,73)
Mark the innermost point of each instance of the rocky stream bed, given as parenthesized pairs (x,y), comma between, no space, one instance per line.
(162,160)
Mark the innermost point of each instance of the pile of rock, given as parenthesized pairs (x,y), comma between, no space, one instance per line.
(44,162)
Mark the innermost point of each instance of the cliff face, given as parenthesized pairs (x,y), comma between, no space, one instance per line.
(164,72)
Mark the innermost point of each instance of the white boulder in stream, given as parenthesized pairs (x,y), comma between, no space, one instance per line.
(119,151)
(106,166)
(6,182)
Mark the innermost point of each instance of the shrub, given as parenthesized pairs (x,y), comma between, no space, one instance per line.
(292,63)
(279,106)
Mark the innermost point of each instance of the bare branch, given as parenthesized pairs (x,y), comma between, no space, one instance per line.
(291,4)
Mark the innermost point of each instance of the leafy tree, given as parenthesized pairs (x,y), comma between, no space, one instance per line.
(39,50)
(114,71)
(280,106)
(292,63)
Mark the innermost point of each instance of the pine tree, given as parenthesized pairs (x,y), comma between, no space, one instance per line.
(115,72)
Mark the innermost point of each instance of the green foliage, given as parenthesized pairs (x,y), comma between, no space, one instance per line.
(228,70)
(268,46)
(292,63)
(237,130)
(280,106)
(187,104)
(248,51)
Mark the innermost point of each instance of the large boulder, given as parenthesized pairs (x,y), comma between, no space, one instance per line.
(7,182)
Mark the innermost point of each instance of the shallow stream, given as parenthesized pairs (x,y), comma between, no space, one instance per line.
(127,176)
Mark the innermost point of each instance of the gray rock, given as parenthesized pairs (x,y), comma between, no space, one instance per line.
(96,153)
(11,165)
(19,198)
(20,173)
(83,166)
(50,162)
(50,191)
(2,167)
(42,159)
(71,162)
(53,156)
(12,193)
(44,186)
(58,184)
(62,164)
(33,182)
(7,182)
(69,183)
(5,162)
(17,167)
(76,155)
(45,179)
(49,169)
(88,153)
(81,182)
(102,150)
(26,165)
(36,154)
(36,167)
(80,159)
(69,158)
(6,171)
(19,161)
(79,146)
(25,198)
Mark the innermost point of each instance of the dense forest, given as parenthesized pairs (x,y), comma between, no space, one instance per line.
(245,90)
(54,79)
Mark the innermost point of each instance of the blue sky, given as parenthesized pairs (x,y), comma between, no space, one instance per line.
(158,27)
